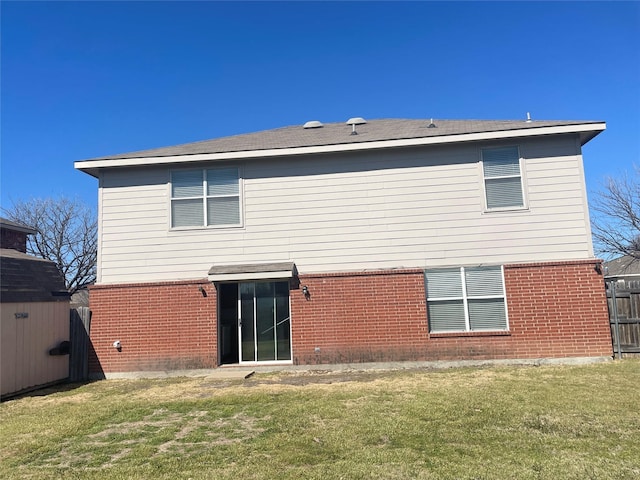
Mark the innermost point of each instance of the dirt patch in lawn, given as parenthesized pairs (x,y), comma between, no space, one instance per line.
(162,432)
(203,387)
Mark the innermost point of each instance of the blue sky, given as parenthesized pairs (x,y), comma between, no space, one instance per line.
(87,79)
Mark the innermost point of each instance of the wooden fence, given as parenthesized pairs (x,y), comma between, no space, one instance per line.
(623,298)
(80,324)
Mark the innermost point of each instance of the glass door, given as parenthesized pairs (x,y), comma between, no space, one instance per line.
(264,323)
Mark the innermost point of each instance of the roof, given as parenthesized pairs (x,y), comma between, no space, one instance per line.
(7,224)
(25,278)
(221,273)
(334,137)
(622,267)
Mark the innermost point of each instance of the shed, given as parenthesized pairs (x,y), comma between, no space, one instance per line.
(34,328)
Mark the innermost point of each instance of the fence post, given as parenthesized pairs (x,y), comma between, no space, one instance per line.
(614,307)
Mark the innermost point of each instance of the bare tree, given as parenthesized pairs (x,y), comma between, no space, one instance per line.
(616,223)
(66,233)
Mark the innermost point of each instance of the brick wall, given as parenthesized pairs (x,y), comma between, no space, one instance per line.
(555,310)
(13,239)
(559,310)
(359,317)
(162,326)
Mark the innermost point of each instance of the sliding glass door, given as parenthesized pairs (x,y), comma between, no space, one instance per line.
(264,322)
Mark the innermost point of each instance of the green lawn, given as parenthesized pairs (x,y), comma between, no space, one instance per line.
(549,422)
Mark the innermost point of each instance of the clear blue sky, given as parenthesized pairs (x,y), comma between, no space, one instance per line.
(87,79)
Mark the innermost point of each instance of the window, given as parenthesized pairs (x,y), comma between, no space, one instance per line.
(209,197)
(466,299)
(502,178)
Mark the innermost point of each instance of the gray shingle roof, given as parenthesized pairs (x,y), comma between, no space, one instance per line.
(24,278)
(5,223)
(340,133)
(625,265)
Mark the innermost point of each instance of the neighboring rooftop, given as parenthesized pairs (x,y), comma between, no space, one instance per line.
(14,235)
(16,227)
(622,266)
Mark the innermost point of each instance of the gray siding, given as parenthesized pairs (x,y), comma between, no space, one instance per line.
(408,208)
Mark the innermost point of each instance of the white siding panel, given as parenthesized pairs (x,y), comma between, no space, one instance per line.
(413,208)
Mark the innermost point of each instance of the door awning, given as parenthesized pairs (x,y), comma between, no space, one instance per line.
(253,271)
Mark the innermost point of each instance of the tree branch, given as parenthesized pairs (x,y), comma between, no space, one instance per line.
(66,233)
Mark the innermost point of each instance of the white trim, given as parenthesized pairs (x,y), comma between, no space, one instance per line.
(585,200)
(89,165)
(506,304)
(232,277)
(100,228)
(465,300)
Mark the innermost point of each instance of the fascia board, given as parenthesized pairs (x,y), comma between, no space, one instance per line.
(231,277)
(90,166)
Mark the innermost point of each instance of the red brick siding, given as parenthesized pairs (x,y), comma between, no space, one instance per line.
(165,326)
(14,240)
(555,310)
(377,316)
(558,310)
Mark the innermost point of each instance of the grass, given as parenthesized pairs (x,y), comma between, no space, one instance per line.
(550,422)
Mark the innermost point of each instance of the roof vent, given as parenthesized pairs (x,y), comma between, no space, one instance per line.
(355,121)
(431,124)
(313,124)
(528,117)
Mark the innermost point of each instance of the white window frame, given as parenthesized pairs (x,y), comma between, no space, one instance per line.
(465,297)
(204,197)
(487,208)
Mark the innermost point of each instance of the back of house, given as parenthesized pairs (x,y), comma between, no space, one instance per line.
(382,240)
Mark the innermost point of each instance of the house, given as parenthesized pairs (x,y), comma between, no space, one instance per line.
(34,316)
(624,269)
(13,235)
(382,240)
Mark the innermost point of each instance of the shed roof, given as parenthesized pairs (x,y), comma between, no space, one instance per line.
(25,278)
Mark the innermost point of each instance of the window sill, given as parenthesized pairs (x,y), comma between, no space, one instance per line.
(208,227)
(494,333)
(506,209)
